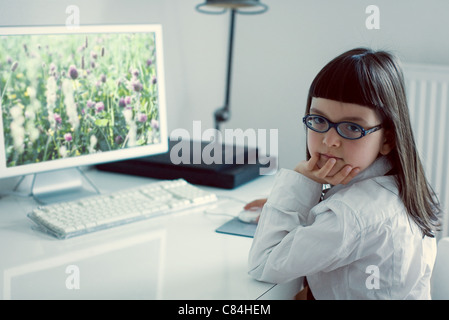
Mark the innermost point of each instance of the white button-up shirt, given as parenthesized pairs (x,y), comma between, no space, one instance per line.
(358,243)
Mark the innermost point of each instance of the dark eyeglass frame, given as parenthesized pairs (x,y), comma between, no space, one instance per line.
(330,124)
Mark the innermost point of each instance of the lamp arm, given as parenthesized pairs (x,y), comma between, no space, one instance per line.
(223,114)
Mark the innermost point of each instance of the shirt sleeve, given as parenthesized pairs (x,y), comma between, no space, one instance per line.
(286,246)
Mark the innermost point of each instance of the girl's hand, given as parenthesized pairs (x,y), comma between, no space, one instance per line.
(259,203)
(312,171)
(255,205)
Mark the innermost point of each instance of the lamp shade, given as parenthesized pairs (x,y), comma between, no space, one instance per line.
(241,6)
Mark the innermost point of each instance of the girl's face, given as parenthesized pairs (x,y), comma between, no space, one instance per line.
(359,153)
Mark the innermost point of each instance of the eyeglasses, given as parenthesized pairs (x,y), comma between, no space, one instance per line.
(347,130)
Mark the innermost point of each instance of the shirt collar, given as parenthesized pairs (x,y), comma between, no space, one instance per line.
(378,168)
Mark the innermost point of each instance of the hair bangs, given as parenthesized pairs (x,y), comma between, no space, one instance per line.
(348,79)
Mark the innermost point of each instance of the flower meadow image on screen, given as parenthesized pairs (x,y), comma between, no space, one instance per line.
(71,95)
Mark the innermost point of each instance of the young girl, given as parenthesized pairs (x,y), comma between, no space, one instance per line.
(371,235)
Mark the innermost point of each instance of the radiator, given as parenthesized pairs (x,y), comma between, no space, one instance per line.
(427,95)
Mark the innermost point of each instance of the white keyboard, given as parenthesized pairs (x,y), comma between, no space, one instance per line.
(90,214)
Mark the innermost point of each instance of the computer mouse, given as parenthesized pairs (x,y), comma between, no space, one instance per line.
(250,216)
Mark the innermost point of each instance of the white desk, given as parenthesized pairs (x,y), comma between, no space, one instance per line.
(179,256)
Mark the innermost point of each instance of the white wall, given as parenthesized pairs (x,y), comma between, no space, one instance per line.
(276,55)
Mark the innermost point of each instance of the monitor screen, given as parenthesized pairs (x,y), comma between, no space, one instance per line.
(73,97)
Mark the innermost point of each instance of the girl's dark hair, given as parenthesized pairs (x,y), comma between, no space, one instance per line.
(374,79)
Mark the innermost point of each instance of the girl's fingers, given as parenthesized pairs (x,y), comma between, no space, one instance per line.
(340,176)
(321,175)
(324,171)
(258,203)
(312,161)
(351,175)
(344,175)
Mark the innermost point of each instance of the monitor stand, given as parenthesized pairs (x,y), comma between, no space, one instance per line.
(61,185)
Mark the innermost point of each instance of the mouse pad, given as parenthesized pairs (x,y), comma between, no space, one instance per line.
(238,228)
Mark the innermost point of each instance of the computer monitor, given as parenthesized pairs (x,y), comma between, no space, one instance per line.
(81,96)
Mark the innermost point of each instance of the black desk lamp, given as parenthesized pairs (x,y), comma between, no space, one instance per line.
(219,7)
